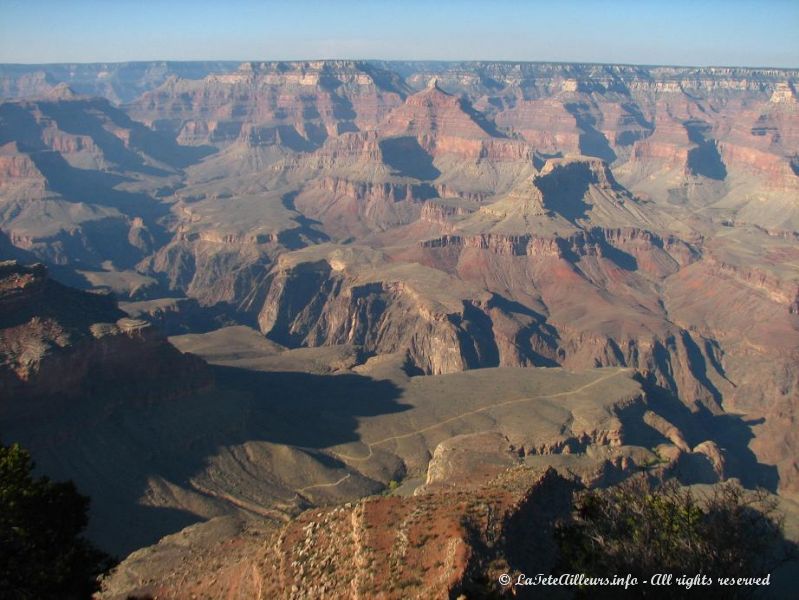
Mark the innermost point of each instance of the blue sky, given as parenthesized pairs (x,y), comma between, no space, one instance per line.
(710,32)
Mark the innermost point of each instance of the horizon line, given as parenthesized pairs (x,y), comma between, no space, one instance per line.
(397,60)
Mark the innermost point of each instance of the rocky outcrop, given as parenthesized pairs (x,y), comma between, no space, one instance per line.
(314,305)
(445,124)
(509,245)
(214,268)
(647,249)
(440,214)
(436,545)
(59,345)
(16,166)
(346,206)
(774,170)
(784,292)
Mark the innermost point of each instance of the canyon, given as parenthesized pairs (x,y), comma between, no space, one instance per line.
(240,298)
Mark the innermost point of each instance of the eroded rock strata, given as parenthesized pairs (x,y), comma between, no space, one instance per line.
(343,239)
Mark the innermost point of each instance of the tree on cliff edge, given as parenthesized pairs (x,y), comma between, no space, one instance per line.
(42,553)
(644,528)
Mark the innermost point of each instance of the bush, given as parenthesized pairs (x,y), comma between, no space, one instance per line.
(42,554)
(643,529)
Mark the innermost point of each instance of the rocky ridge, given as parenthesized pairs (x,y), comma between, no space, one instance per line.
(59,342)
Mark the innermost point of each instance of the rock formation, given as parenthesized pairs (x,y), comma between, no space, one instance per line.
(61,344)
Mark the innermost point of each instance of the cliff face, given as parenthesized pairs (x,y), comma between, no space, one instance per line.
(346,207)
(59,344)
(313,305)
(296,104)
(650,251)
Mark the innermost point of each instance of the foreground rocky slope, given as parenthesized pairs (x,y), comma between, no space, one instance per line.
(435,545)
(439,543)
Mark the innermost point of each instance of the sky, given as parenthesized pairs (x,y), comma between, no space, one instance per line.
(676,32)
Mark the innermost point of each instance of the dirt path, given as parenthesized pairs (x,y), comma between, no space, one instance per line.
(371,445)
(323,485)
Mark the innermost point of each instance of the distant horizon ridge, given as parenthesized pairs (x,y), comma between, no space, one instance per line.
(400,61)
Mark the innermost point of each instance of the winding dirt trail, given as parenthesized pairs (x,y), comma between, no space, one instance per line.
(324,485)
(371,445)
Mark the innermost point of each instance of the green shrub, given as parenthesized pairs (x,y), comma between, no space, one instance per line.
(643,529)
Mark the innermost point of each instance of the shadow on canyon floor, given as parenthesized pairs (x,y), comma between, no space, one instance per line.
(120,449)
(592,142)
(312,411)
(704,159)
(564,190)
(732,434)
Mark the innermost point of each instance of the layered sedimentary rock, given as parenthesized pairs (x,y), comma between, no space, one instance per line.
(118,82)
(295,104)
(363,224)
(79,180)
(60,343)
(316,303)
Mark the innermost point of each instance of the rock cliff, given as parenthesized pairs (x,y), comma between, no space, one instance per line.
(60,345)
